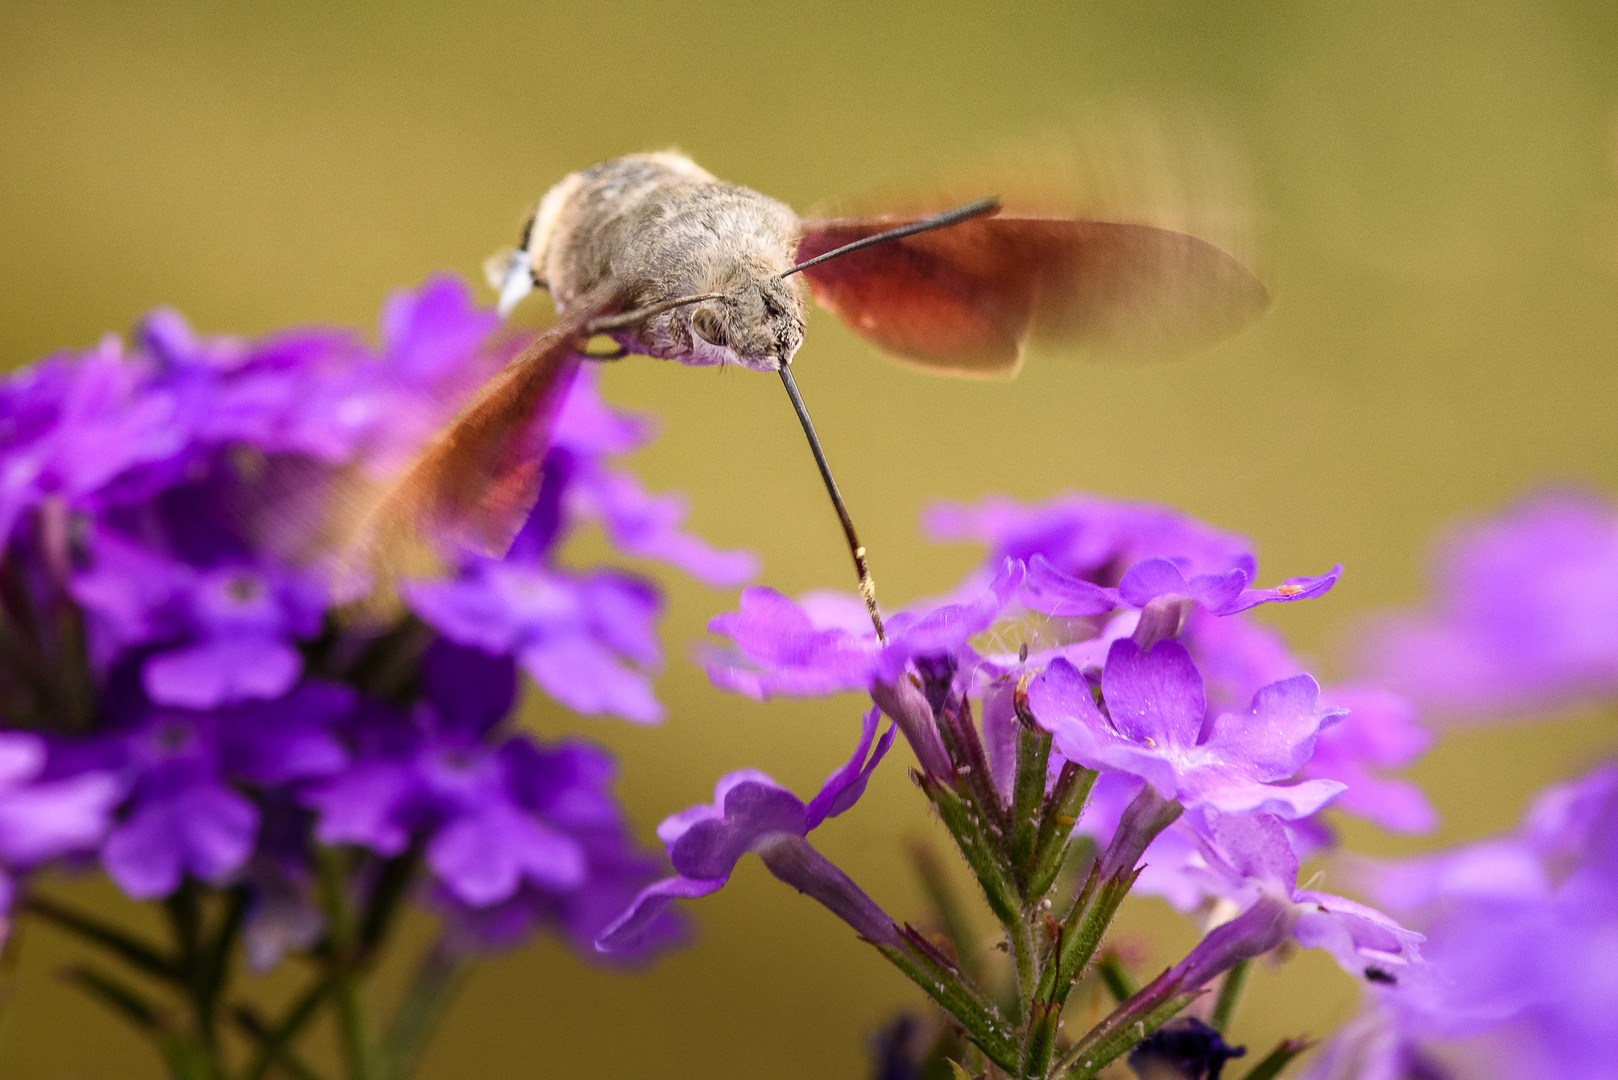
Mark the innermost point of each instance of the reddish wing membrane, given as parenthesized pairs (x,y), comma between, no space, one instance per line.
(476,482)
(965,300)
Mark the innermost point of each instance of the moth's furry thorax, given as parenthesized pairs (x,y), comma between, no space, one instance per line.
(653,227)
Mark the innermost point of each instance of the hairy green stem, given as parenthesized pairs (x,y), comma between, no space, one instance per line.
(982,1022)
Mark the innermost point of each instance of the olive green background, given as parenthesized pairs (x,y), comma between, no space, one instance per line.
(1437,209)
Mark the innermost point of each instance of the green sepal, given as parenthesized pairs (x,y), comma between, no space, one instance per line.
(1043,1025)
(1270,1066)
(982,1022)
(1060,813)
(979,851)
(1230,993)
(1027,802)
(1089,1059)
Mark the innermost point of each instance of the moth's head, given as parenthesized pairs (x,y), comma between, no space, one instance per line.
(759,324)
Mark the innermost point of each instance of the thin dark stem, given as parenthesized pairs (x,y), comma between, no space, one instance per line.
(855,548)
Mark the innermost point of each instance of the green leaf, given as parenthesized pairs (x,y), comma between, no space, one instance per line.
(124,945)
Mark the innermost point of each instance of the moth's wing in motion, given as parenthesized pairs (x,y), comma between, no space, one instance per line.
(476,481)
(966,299)
(1123,247)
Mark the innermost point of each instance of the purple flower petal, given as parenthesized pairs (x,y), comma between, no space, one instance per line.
(212,673)
(1049,590)
(206,831)
(844,787)
(1154,698)
(629,929)
(1296,588)
(1277,735)
(483,857)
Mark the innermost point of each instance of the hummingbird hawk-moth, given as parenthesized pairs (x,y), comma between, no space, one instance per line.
(655,253)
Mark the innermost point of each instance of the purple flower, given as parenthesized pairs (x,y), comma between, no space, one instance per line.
(1521,616)
(185,815)
(69,426)
(790,649)
(751,812)
(42,818)
(1154,728)
(1378,730)
(1521,932)
(1161,579)
(588,640)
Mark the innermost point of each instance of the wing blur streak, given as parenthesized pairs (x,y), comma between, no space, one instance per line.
(965,300)
(476,481)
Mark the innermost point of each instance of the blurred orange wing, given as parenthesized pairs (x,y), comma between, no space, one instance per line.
(476,482)
(966,299)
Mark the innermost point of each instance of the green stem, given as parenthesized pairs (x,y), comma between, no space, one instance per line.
(184,1058)
(272,1048)
(275,1044)
(1230,993)
(437,978)
(185,915)
(1119,983)
(340,932)
(1272,1063)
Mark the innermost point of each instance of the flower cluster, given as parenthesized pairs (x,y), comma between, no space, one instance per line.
(1523,928)
(1096,680)
(186,700)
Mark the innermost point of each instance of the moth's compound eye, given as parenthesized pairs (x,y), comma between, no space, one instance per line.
(707,326)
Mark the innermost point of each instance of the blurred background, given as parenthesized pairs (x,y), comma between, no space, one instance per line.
(1435,191)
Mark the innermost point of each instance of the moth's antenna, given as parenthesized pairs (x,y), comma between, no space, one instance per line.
(630,318)
(976,208)
(855,548)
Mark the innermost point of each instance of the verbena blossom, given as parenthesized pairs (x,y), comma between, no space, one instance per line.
(1153,728)
(1522,929)
(1521,613)
(751,812)
(1083,550)
(1119,608)
(169,513)
(1522,943)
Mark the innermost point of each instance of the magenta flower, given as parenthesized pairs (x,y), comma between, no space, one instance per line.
(751,812)
(1153,728)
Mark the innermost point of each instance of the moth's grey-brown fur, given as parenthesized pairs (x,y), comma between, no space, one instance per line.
(654,227)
